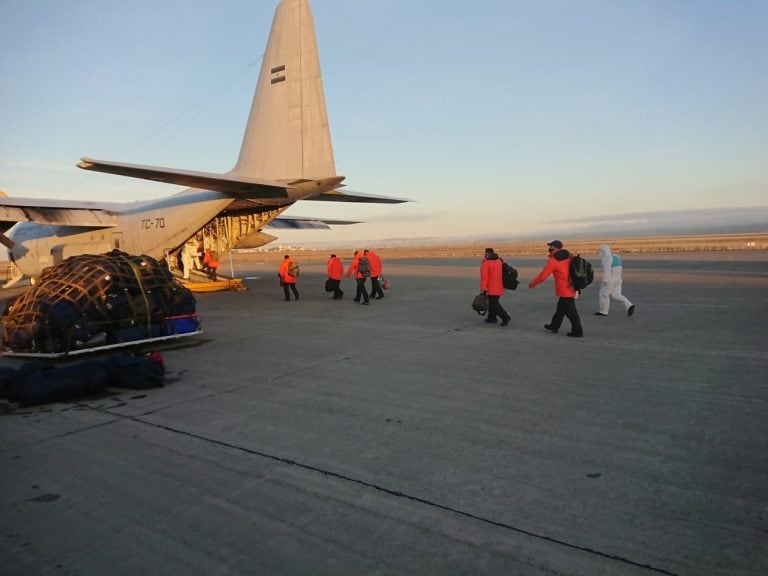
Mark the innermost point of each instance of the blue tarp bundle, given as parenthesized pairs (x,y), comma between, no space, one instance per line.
(41,383)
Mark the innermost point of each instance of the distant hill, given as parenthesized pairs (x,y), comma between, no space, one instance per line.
(721,221)
(757,242)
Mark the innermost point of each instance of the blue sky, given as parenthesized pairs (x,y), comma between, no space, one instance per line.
(495,116)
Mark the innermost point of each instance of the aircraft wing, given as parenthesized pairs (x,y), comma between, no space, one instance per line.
(61,212)
(226,183)
(305,222)
(53,212)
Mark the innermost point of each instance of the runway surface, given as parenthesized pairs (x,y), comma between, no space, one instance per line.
(410,437)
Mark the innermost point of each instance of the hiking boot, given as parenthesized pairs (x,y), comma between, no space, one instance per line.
(366,303)
(600,314)
(631,310)
(504,322)
(550,328)
(575,334)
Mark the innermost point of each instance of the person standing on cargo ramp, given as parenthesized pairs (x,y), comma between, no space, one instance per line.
(289,272)
(188,253)
(610,282)
(210,263)
(492,286)
(559,265)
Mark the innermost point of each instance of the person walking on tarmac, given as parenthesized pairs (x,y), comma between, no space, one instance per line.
(335,272)
(559,265)
(376,292)
(491,285)
(289,272)
(360,276)
(610,283)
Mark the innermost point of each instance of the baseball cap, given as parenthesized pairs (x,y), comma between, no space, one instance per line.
(555,244)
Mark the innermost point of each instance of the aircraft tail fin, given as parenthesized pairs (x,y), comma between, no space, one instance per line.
(287,136)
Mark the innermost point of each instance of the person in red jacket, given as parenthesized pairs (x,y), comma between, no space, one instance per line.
(360,277)
(376,292)
(490,284)
(210,263)
(288,279)
(559,265)
(335,272)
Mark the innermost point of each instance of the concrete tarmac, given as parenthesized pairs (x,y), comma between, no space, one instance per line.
(410,437)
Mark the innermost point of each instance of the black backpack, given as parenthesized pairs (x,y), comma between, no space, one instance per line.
(509,277)
(364,266)
(580,274)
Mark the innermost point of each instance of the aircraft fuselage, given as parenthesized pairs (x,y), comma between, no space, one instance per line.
(152,228)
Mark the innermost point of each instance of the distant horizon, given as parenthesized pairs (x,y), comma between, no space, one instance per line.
(683,242)
(437,242)
(663,224)
(639,225)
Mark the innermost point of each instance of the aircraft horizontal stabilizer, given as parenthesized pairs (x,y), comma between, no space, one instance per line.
(303,222)
(226,183)
(339,196)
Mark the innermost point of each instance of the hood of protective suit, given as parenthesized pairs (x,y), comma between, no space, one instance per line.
(561,254)
(604,250)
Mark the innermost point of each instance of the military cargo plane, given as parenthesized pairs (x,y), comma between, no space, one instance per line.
(286,156)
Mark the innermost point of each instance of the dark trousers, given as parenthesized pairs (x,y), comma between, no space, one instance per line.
(376,291)
(337,291)
(293,289)
(567,307)
(361,291)
(495,309)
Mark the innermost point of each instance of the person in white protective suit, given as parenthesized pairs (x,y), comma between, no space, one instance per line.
(610,283)
(188,253)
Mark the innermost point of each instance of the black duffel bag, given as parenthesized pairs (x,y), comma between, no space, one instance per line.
(480,304)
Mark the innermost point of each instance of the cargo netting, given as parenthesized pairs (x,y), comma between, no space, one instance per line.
(97,300)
